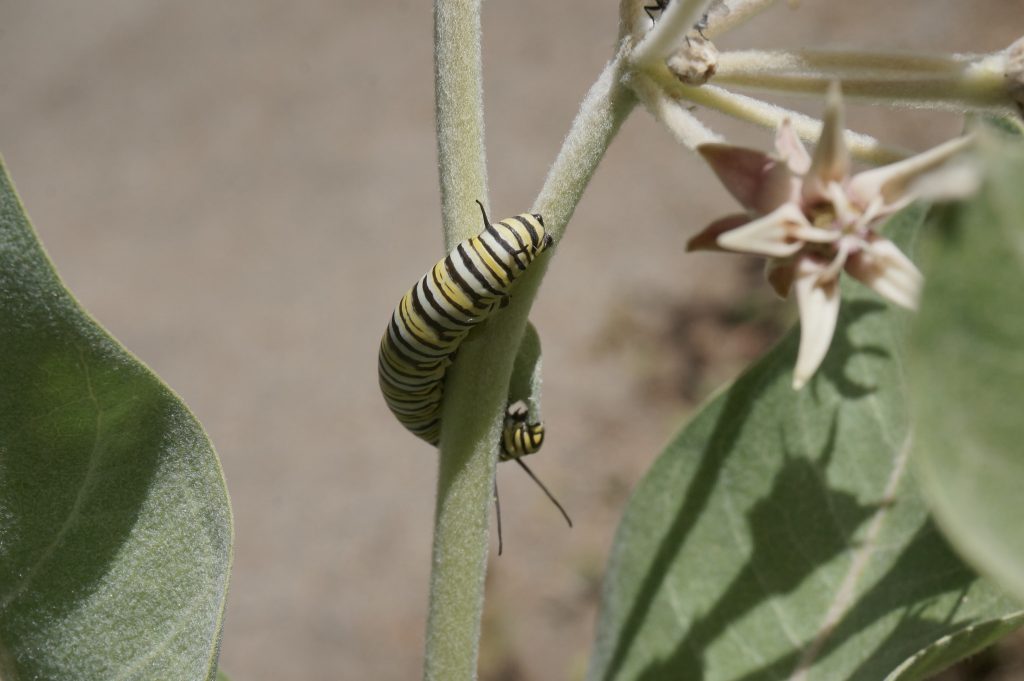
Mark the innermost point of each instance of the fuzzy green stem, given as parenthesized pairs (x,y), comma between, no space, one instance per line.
(476,386)
(684,126)
(668,32)
(602,112)
(863,147)
(467,457)
(951,82)
(458,95)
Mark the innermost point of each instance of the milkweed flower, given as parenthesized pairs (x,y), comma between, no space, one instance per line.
(813,220)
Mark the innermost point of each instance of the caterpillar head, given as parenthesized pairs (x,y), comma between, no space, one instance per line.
(547,241)
(517,412)
(544,240)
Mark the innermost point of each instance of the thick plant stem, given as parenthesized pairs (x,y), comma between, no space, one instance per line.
(476,390)
(458,94)
(603,110)
(467,460)
(684,126)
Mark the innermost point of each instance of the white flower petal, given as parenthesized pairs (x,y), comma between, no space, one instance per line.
(819,309)
(897,182)
(790,149)
(831,161)
(883,267)
(707,238)
(817,235)
(957,179)
(771,235)
(845,212)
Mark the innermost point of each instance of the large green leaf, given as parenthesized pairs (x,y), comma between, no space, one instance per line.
(968,370)
(781,536)
(115,529)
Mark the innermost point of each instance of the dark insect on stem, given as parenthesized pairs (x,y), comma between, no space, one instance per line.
(659,5)
(662,5)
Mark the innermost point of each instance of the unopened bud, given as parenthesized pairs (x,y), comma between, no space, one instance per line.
(695,62)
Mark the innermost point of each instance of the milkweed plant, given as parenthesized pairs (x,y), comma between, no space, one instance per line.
(847,508)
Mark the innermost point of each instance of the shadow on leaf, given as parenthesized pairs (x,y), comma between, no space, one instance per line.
(843,351)
(782,557)
(925,569)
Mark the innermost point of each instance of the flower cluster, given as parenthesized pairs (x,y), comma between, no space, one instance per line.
(810,216)
(813,220)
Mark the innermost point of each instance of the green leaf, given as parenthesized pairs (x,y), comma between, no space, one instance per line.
(958,645)
(968,370)
(115,529)
(526,372)
(781,535)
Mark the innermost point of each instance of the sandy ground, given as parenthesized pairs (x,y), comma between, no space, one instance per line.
(241,192)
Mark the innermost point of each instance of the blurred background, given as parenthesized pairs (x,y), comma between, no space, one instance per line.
(241,192)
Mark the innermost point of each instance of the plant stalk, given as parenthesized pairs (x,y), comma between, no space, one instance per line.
(951,82)
(467,461)
(476,386)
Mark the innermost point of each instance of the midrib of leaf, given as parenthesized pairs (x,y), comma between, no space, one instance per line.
(847,590)
(861,556)
(76,508)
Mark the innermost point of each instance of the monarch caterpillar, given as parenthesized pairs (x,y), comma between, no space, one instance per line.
(433,318)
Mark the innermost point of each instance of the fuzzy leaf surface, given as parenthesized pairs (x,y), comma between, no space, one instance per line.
(968,369)
(115,528)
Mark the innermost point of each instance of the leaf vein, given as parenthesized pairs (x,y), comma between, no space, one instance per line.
(861,557)
(76,508)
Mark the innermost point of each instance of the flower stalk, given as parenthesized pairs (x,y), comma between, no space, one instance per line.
(674,55)
(739,12)
(953,82)
(765,114)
